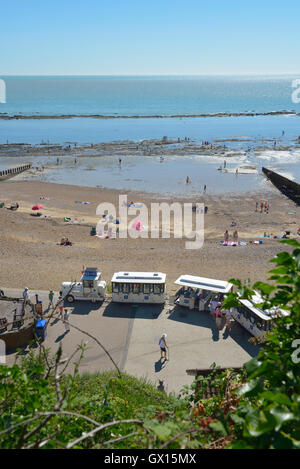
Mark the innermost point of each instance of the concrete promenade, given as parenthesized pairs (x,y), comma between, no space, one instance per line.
(131,334)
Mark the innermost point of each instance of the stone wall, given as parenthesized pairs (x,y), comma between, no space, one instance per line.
(18,338)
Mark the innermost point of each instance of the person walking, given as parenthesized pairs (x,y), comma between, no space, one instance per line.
(60,306)
(66,320)
(163,347)
(218,316)
(26,298)
(51,296)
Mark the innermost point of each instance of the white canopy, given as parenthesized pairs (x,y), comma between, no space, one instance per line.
(218,286)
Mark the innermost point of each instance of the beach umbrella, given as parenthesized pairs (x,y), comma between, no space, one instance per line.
(37,207)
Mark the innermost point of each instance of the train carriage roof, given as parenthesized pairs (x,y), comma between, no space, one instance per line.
(139,277)
(218,286)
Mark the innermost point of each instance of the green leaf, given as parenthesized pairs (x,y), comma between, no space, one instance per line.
(252,365)
(250,388)
(281,415)
(218,427)
(276,397)
(259,423)
(291,242)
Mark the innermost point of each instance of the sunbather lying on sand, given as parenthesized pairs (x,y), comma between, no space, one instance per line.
(14,206)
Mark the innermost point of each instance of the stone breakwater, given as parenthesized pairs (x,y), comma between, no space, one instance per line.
(290,189)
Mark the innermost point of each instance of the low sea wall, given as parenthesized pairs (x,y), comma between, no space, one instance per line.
(289,188)
(11,172)
(18,338)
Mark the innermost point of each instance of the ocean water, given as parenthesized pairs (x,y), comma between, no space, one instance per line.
(132,100)
(144,96)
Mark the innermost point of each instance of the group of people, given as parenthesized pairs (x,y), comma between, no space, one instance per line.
(63,312)
(235,237)
(65,242)
(13,206)
(264,207)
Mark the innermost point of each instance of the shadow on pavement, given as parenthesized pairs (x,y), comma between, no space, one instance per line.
(121,310)
(83,307)
(204,319)
(159,365)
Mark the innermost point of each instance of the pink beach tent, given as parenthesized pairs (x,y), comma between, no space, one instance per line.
(137,225)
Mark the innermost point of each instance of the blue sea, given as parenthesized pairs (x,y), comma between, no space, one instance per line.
(144,96)
(138,108)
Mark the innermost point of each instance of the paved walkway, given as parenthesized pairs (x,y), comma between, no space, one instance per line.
(131,334)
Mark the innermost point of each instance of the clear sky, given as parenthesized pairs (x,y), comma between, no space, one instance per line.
(149,37)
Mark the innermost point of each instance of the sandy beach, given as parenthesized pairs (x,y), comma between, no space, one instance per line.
(31,255)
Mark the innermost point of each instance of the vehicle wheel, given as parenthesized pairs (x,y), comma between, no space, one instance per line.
(70,299)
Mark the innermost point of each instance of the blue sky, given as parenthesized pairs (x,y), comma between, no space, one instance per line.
(149,37)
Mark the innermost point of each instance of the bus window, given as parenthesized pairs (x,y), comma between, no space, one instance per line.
(115,287)
(124,287)
(136,288)
(158,289)
(147,287)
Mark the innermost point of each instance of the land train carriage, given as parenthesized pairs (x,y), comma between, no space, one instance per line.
(198,292)
(253,318)
(139,287)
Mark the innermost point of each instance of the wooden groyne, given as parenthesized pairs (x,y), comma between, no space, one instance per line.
(11,172)
(289,188)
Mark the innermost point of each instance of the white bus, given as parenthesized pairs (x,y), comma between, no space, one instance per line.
(256,320)
(199,292)
(139,287)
